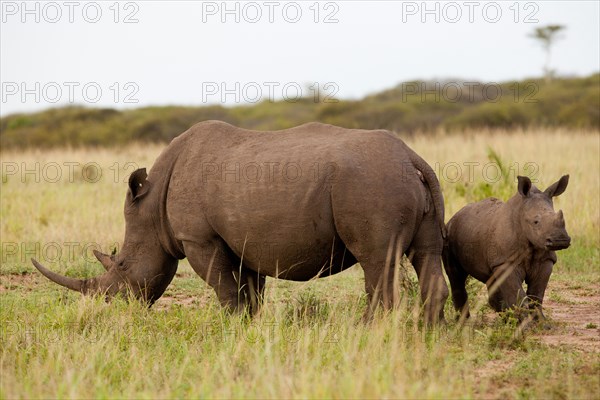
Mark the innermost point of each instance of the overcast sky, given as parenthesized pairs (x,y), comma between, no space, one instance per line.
(192,53)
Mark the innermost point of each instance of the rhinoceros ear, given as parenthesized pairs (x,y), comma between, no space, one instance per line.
(557,188)
(524,185)
(138,184)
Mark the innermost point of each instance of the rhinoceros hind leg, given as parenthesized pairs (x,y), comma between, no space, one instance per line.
(426,249)
(375,244)
(381,275)
(252,288)
(379,284)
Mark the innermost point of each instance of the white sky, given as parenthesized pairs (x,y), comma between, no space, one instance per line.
(182,53)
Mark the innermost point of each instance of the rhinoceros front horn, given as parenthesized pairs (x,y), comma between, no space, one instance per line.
(71,283)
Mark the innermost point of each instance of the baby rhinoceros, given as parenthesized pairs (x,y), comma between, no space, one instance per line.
(504,244)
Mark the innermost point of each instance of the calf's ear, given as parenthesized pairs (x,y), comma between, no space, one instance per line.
(524,185)
(557,188)
(138,185)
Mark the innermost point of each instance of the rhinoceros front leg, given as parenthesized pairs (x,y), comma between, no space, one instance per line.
(505,288)
(537,281)
(237,288)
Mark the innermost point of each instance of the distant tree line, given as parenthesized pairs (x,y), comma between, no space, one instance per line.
(411,107)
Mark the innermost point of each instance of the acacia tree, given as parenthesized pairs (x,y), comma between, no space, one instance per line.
(547,36)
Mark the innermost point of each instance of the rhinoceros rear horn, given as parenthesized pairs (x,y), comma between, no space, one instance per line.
(105,259)
(70,283)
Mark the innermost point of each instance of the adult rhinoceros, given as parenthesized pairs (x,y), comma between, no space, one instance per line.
(295,204)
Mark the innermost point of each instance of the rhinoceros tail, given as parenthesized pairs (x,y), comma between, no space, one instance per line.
(434,188)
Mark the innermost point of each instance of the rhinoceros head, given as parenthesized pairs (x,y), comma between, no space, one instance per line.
(544,228)
(142,268)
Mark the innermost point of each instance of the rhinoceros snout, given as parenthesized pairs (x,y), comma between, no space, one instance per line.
(558,243)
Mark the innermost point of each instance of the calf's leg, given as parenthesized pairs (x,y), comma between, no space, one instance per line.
(505,288)
(536,285)
(458,278)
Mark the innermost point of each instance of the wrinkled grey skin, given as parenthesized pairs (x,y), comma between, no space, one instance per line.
(294,204)
(506,244)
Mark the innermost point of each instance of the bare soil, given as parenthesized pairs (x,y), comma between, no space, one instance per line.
(490,377)
(168,300)
(25,281)
(574,321)
(576,317)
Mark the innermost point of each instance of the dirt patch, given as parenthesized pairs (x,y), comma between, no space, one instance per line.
(25,281)
(168,300)
(496,367)
(490,377)
(574,321)
(577,316)
(573,317)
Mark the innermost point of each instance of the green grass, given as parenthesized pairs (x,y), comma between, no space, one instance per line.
(59,344)
(310,339)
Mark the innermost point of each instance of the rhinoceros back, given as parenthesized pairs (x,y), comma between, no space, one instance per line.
(268,195)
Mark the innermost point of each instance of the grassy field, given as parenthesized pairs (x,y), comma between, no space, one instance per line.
(309,341)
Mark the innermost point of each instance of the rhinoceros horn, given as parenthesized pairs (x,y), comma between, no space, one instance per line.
(71,283)
(105,259)
(97,284)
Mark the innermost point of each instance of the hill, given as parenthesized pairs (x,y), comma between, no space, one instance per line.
(417,106)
